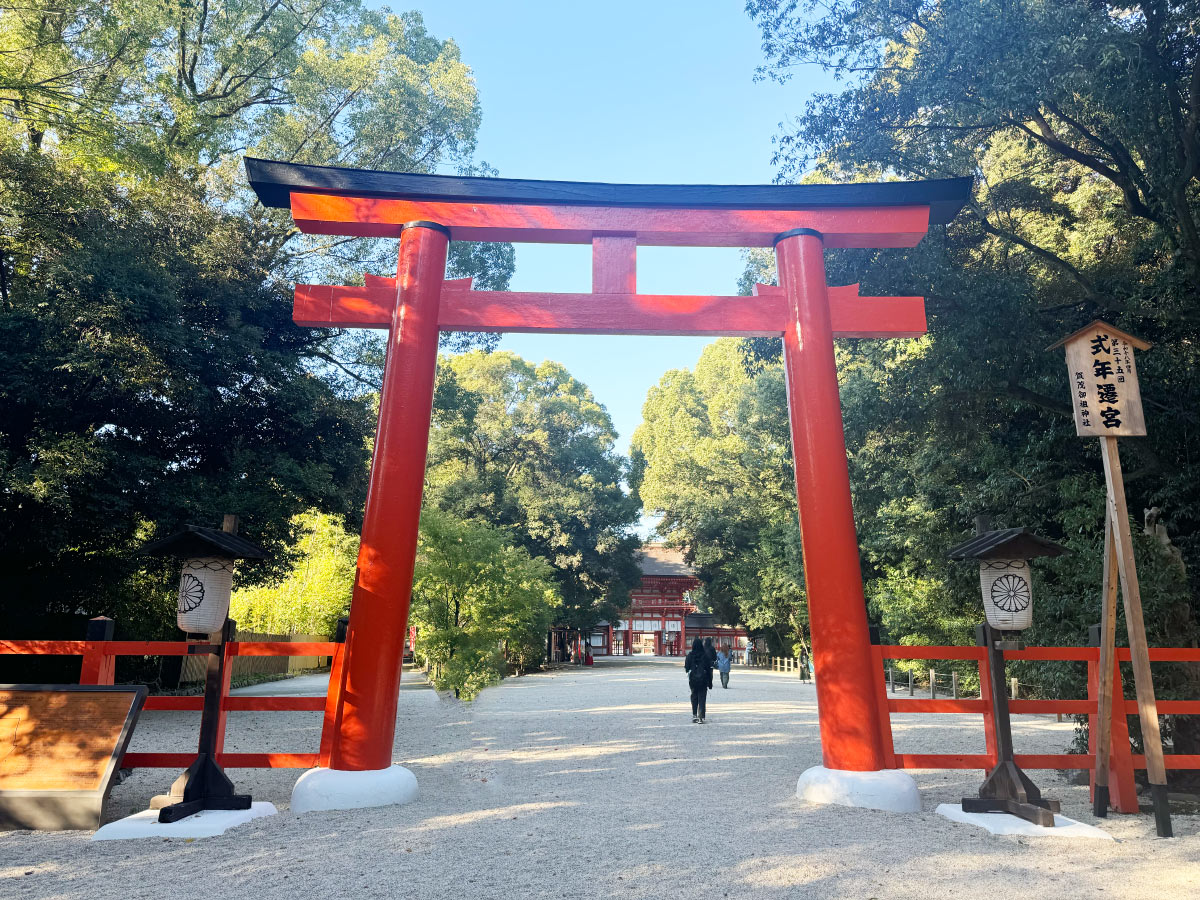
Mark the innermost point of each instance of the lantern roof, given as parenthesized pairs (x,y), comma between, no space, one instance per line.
(1101,325)
(1006,543)
(196,540)
(274,182)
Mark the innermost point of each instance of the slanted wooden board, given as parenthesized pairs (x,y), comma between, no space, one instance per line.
(60,746)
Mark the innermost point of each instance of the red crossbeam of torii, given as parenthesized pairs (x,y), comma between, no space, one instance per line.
(427,211)
(462,309)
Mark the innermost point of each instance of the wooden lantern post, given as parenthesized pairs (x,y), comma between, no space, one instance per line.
(1107,403)
(1006,581)
(204,785)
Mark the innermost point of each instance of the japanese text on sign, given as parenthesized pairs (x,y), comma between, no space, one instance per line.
(1104,385)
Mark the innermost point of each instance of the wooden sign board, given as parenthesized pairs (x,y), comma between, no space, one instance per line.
(1105,396)
(60,746)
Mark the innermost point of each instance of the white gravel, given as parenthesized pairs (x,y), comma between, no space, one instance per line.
(590,783)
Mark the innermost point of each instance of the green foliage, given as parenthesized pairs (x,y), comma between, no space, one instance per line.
(315,593)
(151,374)
(162,84)
(529,450)
(478,601)
(712,458)
(151,377)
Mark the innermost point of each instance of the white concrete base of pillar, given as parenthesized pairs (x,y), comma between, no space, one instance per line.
(320,789)
(890,789)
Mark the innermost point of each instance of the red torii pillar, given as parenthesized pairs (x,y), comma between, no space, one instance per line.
(388,549)
(845,672)
(426,211)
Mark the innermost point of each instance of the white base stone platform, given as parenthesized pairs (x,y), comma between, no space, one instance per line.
(319,789)
(890,789)
(1004,823)
(206,823)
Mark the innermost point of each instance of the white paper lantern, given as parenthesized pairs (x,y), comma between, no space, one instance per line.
(1007,593)
(204,589)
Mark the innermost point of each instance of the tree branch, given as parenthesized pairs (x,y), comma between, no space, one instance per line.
(1040,252)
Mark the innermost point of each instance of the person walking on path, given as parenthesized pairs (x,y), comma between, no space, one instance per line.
(712,659)
(724,659)
(699,673)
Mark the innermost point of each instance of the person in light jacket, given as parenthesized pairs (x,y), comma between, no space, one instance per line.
(724,660)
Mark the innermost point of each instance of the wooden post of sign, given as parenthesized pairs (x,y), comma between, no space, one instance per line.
(1156,769)
(1107,403)
(1108,640)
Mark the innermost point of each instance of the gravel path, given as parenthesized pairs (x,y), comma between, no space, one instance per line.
(590,783)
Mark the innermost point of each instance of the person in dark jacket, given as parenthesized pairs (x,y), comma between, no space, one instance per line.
(712,659)
(699,672)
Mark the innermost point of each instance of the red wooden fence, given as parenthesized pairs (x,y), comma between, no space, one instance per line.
(98,659)
(98,667)
(1123,760)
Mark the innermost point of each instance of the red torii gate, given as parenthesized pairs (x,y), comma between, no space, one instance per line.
(428,211)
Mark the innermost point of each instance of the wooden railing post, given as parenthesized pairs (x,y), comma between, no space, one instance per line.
(228,653)
(885,715)
(985,694)
(98,667)
(954,684)
(1122,794)
(911,684)
(332,721)
(932,684)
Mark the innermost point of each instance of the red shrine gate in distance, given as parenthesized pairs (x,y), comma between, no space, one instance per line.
(661,619)
(659,605)
(426,212)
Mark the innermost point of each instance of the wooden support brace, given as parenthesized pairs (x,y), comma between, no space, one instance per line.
(98,667)
(1135,625)
(1104,673)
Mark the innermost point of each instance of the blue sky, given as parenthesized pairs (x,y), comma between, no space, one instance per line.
(621,92)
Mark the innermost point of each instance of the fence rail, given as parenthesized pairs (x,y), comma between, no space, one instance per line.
(1123,761)
(781,664)
(194,667)
(98,658)
(97,667)
(936,680)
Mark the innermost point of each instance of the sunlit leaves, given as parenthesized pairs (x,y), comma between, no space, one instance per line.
(527,448)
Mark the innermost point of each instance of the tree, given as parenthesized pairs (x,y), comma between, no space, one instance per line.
(1111,88)
(151,377)
(528,449)
(147,88)
(713,459)
(1080,120)
(151,373)
(164,85)
(478,601)
(314,593)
